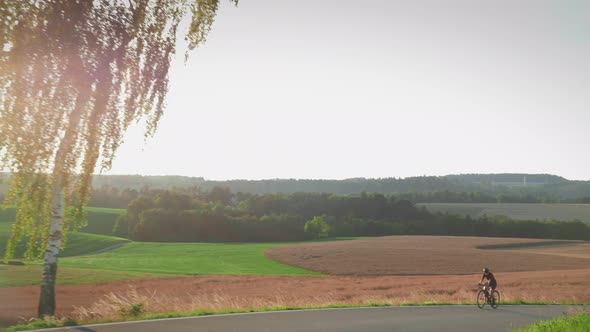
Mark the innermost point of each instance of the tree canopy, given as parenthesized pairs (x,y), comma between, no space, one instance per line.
(73,76)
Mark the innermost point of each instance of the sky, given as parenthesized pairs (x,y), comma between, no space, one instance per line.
(377,88)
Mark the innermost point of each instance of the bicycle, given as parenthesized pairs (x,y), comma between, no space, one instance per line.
(484,297)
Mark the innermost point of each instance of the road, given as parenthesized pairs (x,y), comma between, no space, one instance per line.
(407,319)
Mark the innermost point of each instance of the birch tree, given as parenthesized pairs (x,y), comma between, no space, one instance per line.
(74,74)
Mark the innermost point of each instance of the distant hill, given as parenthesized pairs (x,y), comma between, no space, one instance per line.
(543,187)
(142,181)
(510,179)
(551,187)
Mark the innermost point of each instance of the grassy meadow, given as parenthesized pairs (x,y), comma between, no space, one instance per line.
(519,211)
(95,257)
(140,260)
(187,259)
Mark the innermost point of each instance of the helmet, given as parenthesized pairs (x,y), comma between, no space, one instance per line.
(486,270)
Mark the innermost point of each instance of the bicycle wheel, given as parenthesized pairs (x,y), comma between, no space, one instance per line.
(481,299)
(495,299)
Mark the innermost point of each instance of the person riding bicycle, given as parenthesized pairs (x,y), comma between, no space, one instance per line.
(491,283)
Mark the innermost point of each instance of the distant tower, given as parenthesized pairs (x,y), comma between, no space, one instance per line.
(524,181)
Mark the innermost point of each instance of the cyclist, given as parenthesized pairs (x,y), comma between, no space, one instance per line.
(491,283)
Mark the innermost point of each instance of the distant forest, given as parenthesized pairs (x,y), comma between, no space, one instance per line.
(120,190)
(478,188)
(468,188)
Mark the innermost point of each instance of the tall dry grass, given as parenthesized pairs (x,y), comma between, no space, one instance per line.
(116,306)
(131,303)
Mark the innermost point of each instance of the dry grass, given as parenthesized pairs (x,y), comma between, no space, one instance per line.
(113,306)
(428,255)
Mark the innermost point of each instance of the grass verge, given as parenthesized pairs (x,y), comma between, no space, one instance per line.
(574,323)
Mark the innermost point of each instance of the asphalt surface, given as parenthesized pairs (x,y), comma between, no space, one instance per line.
(407,319)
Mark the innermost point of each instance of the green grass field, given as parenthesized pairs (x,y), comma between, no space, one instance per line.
(187,259)
(145,259)
(519,211)
(85,259)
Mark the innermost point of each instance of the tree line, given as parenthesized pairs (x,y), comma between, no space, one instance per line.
(221,216)
(114,197)
(118,191)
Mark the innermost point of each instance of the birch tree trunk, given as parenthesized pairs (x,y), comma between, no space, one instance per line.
(47,296)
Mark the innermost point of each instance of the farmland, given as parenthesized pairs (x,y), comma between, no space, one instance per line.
(183,277)
(433,255)
(518,211)
(221,276)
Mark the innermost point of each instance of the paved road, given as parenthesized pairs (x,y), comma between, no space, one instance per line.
(408,319)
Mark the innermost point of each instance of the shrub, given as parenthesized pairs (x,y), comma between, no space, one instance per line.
(317,227)
(133,310)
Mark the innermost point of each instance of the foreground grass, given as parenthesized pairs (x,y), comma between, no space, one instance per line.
(134,313)
(187,259)
(575,323)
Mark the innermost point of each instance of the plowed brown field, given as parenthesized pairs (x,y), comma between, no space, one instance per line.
(431,255)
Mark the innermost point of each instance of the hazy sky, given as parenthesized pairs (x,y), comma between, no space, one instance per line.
(339,89)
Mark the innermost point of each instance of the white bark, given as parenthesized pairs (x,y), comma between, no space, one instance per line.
(55,229)
(47,298)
